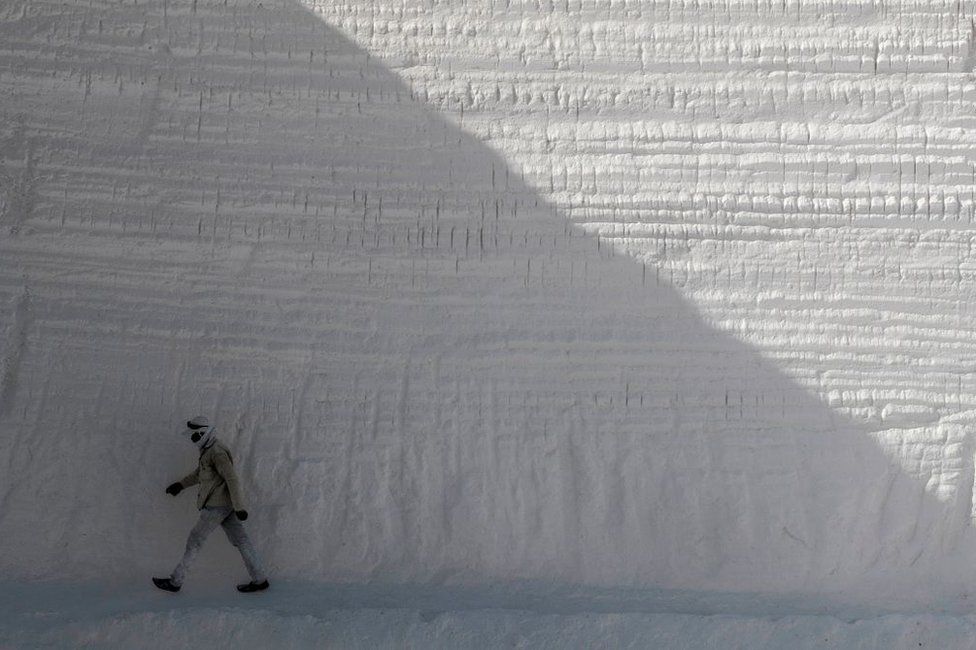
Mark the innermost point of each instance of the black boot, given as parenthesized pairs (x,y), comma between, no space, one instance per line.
(166,584)
(252,586)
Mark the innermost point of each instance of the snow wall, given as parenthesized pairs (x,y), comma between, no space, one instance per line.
(661,293)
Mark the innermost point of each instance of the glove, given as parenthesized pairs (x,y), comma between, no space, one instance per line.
(175,488)
(241,514)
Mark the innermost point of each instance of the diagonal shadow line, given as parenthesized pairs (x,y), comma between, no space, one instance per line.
(738,481)
(478,391)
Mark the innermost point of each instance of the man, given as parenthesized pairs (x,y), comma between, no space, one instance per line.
(220,503)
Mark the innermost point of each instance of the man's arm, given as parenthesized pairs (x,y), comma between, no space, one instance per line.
(191,479)
(226,469)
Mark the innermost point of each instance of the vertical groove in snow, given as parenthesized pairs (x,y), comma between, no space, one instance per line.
(14,349)
(12,353)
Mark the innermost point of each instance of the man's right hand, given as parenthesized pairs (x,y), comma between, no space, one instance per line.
(174,489)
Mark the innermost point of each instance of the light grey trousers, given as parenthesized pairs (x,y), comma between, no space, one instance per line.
(224,517)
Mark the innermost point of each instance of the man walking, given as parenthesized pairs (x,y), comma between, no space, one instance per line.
(220,503)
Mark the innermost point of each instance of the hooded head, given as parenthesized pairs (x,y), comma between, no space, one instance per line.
(199,431)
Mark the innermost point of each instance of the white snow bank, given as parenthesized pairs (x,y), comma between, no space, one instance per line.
(342,617)
(281,218)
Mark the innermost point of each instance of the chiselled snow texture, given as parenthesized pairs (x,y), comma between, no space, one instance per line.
(655,293)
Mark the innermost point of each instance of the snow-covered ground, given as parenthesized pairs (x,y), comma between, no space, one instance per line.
(665,296)
(417,616)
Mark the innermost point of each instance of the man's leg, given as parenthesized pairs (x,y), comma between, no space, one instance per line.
(238,537)
(209,519)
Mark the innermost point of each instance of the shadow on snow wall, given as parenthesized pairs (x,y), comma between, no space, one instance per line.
(426,373)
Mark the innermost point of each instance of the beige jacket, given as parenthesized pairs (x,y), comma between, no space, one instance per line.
(218,481)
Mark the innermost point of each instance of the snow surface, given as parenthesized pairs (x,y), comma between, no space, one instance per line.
(415,616)
(663,295)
